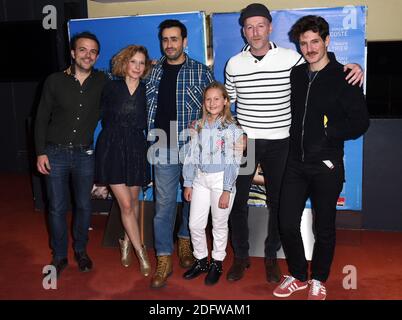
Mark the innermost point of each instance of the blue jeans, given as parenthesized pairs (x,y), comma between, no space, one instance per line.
(77,162)
(167,178)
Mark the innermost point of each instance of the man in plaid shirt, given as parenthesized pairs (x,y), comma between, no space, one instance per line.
(174,98)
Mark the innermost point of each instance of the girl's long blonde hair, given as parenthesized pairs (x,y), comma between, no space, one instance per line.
(226,116)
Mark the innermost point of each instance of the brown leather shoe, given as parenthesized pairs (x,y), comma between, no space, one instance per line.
(236,271)
(272,270)
(164,269)
(185,253)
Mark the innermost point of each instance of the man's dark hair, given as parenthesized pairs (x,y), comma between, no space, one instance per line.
(170,23)
(86,35)
(316,24)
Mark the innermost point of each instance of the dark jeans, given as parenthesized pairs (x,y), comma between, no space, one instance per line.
(167,178)
(272,156)
(323,185)
(77,162)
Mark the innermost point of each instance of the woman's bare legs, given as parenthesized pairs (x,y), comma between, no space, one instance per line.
(127,198)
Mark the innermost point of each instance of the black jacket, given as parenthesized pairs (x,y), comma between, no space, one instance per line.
(329,95)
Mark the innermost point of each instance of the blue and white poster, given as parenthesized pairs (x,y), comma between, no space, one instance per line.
(348,38)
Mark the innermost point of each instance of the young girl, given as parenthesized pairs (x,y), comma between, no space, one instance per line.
(210,170)
(121,147)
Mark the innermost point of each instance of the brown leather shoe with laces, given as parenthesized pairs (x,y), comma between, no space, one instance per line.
(272,270)
(185,253)
(164,269)
(236,271)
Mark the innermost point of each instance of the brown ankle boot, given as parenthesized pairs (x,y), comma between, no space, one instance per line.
(163,271)
(236,271)
(142,256)
(272,270)
(185,254)
(126,252)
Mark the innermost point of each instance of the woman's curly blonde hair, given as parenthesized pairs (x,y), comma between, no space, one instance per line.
(121,59)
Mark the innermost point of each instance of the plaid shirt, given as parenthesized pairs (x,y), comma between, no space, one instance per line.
(192,79)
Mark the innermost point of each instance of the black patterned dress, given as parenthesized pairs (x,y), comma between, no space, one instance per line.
(121,146)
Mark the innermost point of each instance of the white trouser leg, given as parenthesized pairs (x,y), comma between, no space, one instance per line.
(199,211)
(220,218)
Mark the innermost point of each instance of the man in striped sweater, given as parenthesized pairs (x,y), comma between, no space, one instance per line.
(258,80)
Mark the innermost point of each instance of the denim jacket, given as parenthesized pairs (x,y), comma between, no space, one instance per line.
(213,150)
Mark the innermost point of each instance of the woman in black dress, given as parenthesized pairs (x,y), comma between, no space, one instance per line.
(121,147)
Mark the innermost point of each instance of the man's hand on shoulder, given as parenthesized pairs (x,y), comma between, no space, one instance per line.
(356,74)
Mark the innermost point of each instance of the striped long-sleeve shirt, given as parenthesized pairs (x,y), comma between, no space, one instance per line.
(261,90)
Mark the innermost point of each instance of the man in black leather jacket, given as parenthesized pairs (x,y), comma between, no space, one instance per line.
(326,111)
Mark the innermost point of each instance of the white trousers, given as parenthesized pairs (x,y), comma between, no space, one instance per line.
(207,189)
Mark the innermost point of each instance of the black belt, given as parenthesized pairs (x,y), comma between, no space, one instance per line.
(69,146)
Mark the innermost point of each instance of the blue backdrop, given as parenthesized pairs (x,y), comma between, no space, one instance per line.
(347,41)
(115,33)
(118,32)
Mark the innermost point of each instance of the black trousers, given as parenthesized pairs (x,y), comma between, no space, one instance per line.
(272,156)
(323,185)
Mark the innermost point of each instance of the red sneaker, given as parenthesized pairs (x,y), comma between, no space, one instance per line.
(288,286)
(317,290)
